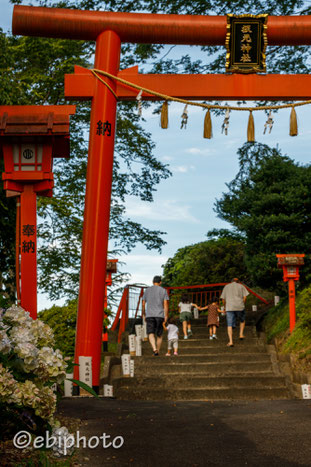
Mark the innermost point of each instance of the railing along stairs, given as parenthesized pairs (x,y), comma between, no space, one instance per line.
(131,301)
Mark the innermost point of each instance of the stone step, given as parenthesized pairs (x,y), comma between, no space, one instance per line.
(199,358)
(200,394)
(220,332)
(206,337)
(222,326)
(208,368)
(207,342)
(222,339)
(205,369)
(213,347)
(185,381)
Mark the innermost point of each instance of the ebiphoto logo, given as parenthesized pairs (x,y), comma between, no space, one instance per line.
(65,442)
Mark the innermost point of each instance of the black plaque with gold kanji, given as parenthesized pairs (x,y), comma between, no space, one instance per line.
(246,43)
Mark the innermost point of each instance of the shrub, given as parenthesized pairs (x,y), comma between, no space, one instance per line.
(29,367)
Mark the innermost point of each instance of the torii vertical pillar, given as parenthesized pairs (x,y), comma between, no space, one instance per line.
(97,207)
(28,246)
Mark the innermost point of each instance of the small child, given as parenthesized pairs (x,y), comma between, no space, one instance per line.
(213,317)
(184,308)
(172,336)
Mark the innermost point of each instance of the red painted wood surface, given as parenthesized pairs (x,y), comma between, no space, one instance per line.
(28,224)
(148,28)
(81,85)
(97,209)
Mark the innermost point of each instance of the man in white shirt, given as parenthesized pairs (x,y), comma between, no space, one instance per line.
(234,297)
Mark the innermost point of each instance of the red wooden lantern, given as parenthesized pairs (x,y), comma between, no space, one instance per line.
(30,136)
(290,264)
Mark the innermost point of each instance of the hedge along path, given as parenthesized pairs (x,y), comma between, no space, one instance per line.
(293,128)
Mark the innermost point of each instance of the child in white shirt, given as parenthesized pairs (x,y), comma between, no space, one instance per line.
(184,308)
(172,336)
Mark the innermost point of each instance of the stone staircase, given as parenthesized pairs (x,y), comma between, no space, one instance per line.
(205,370)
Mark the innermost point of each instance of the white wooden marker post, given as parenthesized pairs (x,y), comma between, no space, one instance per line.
(132,344)
(68,385)
(132,364)
(144,336)
(108,390)
(306,391)
(125,358)
(138,346)
(138,330)
(85,373)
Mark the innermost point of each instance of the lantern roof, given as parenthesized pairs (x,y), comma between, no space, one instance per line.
(35,119)
(290,259)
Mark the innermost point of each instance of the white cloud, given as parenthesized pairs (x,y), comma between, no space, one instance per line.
(167,210)
(182,168)
(200,152)
(167,158)
(144,267)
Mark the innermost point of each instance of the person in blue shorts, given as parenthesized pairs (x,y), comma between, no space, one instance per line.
(234,297)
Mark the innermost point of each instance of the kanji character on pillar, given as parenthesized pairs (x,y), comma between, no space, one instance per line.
(28,247)
(28,230)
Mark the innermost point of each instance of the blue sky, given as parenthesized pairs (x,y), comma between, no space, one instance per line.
(183,204)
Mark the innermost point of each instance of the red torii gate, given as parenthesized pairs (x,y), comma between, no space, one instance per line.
(109,30)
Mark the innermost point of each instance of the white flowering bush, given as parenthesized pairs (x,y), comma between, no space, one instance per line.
(29,367)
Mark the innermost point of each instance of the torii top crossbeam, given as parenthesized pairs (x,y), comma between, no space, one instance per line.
(149,28)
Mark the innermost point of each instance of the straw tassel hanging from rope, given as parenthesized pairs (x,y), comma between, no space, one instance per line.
(164,115)
(251,128)
(293,127)
(208,131)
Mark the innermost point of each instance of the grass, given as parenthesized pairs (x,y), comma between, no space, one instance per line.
(112,346)
(298,343)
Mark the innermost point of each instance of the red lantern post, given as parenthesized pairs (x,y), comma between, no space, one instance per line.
(30,136)
(111,269)
(290,264)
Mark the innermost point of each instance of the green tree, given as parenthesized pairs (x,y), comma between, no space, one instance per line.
(7,248)
(32,71)
(269,204)
(209,262)
(34,68)
(62,320)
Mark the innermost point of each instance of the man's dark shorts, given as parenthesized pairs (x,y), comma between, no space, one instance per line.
(155,326)
(232,316)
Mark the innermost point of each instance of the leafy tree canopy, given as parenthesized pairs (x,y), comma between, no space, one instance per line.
(32,72)
(209,262)
(62,320)
(269,204)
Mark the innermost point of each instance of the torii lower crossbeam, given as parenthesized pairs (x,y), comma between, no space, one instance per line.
(208,87)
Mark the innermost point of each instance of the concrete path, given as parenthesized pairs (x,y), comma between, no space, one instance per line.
(168,434)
